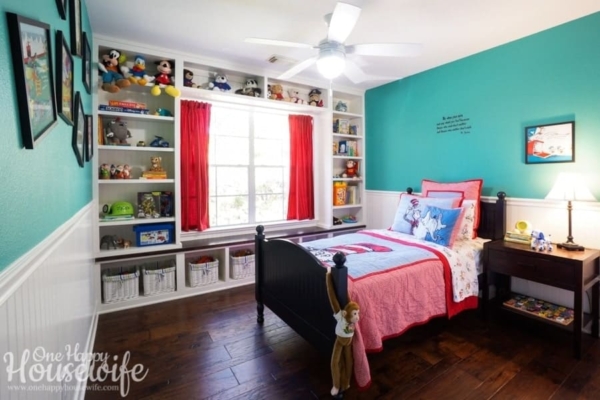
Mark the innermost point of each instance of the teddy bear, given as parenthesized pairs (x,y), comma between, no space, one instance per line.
(156,164)
(188,77)
(295,96)
(250,88)
(219,83)
(112,76)
(276,92)
(136,71)
(314,98)
(351,169)
(116,132)
(164,79)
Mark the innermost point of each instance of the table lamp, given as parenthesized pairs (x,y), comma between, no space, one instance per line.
(570,187)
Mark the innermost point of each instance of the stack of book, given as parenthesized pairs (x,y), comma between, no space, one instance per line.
(517,237)
(125,107)
(352,195)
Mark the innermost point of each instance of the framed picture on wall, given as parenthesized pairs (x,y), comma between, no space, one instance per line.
(31,48)
(75,26)
(89,138)
(64,79)
(62,8)
(77,141)
(87,64)
(550,143)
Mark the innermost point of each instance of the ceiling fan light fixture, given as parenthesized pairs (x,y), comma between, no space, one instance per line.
(331,64)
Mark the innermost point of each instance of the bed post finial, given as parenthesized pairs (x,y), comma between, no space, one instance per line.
(409,190)
(501,195)
(259,238)
(260,229)
(339,259)
(340,278)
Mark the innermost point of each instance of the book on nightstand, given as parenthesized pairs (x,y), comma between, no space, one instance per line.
(516,237)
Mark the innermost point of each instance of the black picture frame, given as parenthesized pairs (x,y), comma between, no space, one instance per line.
(550,143)
(89,138)
(75,27)
(87,64)
(33,76)
(61,5)
(78,138)
(64,79)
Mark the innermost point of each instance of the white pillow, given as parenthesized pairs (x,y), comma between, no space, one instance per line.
(465,231)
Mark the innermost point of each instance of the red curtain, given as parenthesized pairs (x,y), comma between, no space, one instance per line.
(301,196)
(195,123)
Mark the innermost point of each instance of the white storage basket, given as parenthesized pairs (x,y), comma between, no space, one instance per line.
(120,286)
(158,280)
(203,274)
(241,267)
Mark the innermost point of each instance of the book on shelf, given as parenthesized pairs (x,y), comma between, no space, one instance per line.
(127,104)
(104,107)
(352,148)
(541,308)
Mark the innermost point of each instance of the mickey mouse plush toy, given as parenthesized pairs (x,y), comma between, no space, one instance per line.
(164,79)
(112,78)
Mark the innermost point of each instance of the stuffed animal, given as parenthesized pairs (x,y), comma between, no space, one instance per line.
(341,357)
(351,169)
(219,83)
(188,77)
(250,88)
(116,132)
(269,91)
(136,71)
(341,106)
(156,163)
(110,67)
(314,98)
(295,96)
(164,79)
(276,92)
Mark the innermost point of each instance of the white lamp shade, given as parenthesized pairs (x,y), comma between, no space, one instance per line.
(331,65)
(569,186)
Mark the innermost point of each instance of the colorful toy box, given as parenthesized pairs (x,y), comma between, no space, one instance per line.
(153,234)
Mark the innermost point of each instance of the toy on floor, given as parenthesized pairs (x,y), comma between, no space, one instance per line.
(164,79)
(110,68)
(347,318)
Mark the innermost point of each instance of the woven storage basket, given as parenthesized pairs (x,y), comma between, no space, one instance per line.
(120,286)
(158,280)
(203,274)
(241,267)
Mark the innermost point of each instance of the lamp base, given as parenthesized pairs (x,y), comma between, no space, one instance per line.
(570,247)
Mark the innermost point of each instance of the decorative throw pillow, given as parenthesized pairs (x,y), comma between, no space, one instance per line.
(412,208)
(465,226)
(470,190)
(438,225)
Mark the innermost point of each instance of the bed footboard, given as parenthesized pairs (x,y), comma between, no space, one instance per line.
(290,281)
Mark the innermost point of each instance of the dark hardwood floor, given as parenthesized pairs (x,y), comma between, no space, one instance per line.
(210,347)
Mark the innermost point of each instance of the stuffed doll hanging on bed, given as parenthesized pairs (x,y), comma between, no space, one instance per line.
(341,357)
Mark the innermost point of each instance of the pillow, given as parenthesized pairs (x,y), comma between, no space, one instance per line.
(470,189)
(438,225)
(465,226)
(411,207)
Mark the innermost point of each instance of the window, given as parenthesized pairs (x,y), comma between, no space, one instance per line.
(248,166)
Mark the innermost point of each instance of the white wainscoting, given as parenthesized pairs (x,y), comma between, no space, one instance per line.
(549,216)
(47,300)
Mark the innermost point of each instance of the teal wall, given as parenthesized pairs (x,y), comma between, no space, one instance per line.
(548,77)
(41,188)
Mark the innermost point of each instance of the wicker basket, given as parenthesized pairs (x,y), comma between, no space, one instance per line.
(241,267)
(157,280)
(203,274)
(121,285)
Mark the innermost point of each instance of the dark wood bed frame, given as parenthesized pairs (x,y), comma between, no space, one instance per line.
(290,281)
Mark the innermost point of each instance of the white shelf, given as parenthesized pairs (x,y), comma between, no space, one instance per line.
(347,136)
(136,221)
(341,114)
(135,148)
(347,206)
(133,181)
(348,157)
(146,117)
(136,250)
(347,179)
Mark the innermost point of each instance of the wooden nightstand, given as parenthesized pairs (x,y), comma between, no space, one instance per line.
(576,271)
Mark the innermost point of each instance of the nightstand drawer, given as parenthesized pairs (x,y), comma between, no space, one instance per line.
(532,268)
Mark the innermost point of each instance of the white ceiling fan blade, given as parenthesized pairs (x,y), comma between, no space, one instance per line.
(342,22)
(357,75)
(386,49)
(301,66)
(273,42)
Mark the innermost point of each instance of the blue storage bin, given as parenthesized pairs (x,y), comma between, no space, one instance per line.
(153,234)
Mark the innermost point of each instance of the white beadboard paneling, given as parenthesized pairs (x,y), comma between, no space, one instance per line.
(549,216)
(47,300)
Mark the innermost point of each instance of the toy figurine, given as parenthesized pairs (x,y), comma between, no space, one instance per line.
(159,142)
(112,77)
(164,79)
(341,106)
(109,240)
(540,242)
(104,171)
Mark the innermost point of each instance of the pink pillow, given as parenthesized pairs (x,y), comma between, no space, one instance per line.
(470,190)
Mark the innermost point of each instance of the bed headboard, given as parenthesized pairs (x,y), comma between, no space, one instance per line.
(492,221)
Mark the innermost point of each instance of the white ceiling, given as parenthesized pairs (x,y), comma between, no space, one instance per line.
(448,29)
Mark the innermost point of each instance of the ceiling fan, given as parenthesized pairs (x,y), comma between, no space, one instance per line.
(331,59)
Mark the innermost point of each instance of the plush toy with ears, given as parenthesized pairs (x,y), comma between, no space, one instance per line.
(341,357)
(164,79)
